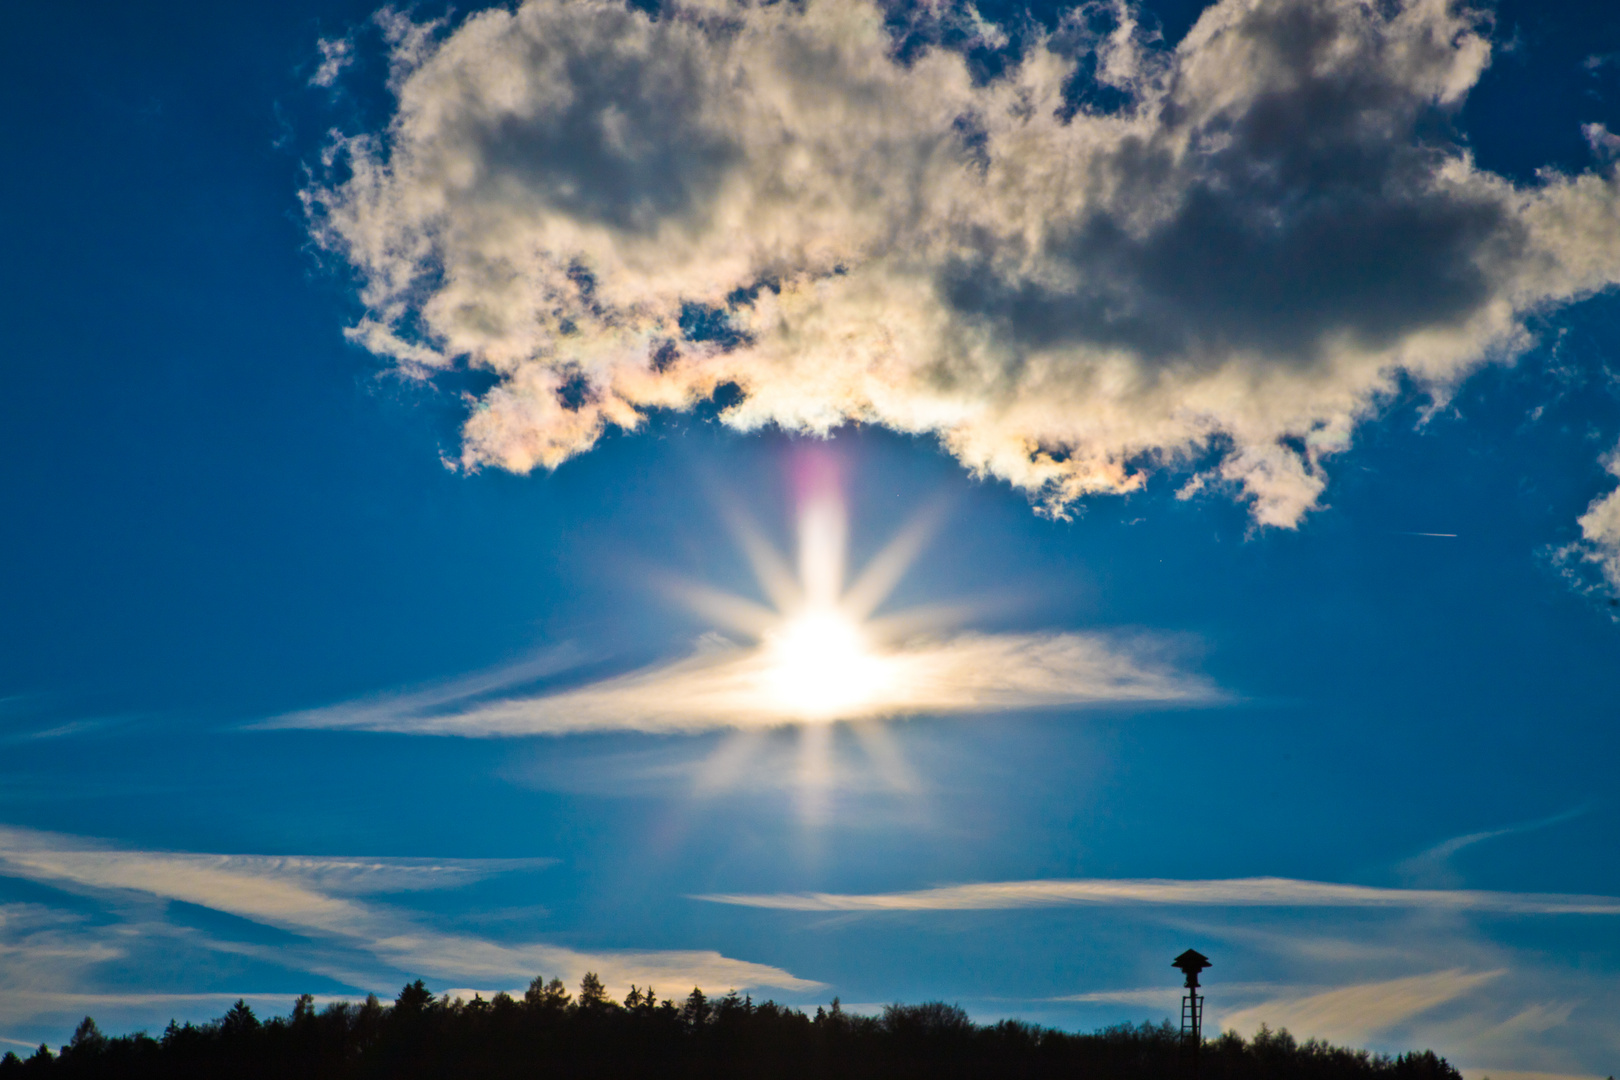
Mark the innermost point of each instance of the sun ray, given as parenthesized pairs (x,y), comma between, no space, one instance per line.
(815,775)
(731,612)
(819,658)
(821,551)
(880,576)
(797,672)
(884,753)
(816,658)
(730,760)
(928,618)
(772,572)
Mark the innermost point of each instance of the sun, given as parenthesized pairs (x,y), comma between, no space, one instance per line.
(819,659)
(819,665)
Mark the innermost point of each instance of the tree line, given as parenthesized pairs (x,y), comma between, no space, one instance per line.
(548,1032)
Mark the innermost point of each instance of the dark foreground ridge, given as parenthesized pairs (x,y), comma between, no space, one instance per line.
(547,1033)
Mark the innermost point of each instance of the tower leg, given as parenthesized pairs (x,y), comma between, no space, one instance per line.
(1192,1030)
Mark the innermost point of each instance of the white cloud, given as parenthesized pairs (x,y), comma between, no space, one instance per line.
(343,937)
(1165,998)
(336,54)
(286,892)
(1600,527)
(1432,867)
(1391,969)
(1236,892)
(1592,563)
(1391,979)
(1551,1011)
(31,1005)
(1604,143)
(380,711)
(728,686)
(46,949)
(615,213)
(1350,1014)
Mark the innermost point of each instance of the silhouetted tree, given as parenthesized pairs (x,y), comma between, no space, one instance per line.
(546,1033)
(592,994)
(553,996)
(304,1008)
(87,1039)
(695,1013)
(238,1022)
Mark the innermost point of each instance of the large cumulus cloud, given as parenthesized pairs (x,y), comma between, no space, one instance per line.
(615,212)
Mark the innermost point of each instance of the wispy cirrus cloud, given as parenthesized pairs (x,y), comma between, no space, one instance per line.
(1432,867)
(1350,1014)
(820,653)
(51,957)
(1386,978)
(1233,892)
(111,1009)
(1388,968)
(290,891)
(725,685)
(1549,1011)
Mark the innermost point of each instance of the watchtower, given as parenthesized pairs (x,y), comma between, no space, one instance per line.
(1192,1004)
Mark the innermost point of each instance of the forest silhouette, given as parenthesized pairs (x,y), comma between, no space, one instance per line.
(549,1032)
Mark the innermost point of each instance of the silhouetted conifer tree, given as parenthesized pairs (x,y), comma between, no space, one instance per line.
(592,994)
(546,1033)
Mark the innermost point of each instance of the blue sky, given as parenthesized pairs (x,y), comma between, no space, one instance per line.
(1255,459)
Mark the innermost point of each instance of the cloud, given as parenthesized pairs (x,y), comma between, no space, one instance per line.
(1349,1014)
(1277,226)
(40,946)
(1236,892)
(336,54)
(1604,143)
(1432,867)
(24,1005)
(1164,998)
(729,686)
(297,892)
(379,712)
(1551,1012)
(1389,979)
(1353,1014)
(1600,528)
(316,899)
(1591,564)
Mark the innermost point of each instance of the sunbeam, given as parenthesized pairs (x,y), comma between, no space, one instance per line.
(817,651)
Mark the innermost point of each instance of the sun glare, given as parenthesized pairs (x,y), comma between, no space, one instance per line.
(820,661)
(819,666)
(817,659)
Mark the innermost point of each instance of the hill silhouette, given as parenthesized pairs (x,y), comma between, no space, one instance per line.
(550,1033)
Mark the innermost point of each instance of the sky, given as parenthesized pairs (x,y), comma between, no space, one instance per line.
(905,502)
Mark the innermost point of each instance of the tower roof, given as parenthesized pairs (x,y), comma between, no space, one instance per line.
(1191,961)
